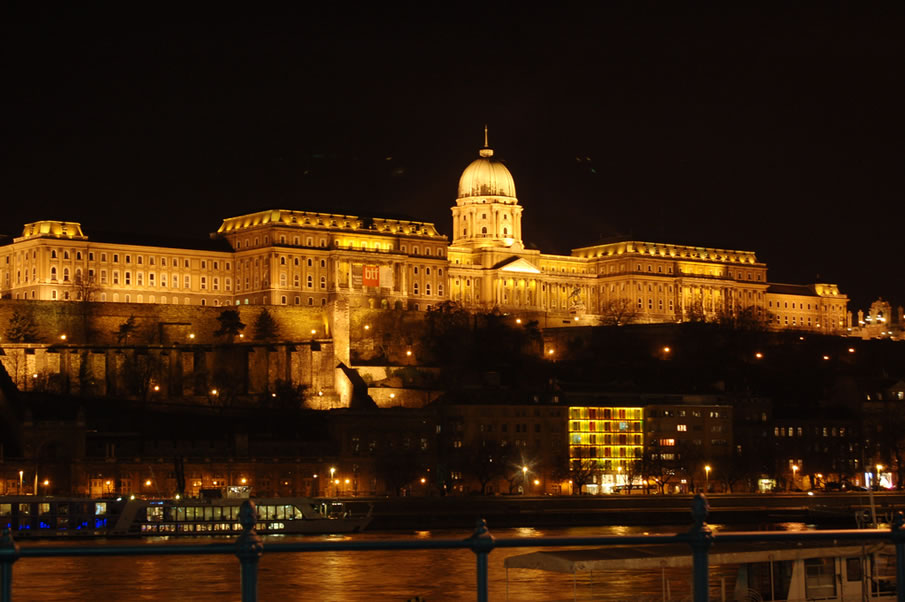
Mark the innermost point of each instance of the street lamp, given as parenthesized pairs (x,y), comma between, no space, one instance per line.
(21,473)
(524,480)
(332,472)
(707,476)
(794,473)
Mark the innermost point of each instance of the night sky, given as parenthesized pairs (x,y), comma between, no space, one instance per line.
(778,133)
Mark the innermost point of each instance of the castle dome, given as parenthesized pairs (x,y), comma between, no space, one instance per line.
(486,176)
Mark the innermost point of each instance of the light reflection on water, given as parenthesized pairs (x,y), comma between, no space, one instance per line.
(390,575)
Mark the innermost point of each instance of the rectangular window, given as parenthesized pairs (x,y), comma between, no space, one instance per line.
(188,281)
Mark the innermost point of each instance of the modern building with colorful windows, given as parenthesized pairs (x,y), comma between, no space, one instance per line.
(608,443)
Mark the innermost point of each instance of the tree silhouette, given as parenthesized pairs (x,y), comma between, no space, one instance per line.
(266,328)
(125,330)
(230,324)
(617,312)
(22,328)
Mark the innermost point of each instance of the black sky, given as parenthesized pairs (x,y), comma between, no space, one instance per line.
(778,133)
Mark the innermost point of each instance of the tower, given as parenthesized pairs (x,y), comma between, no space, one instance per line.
(487,213)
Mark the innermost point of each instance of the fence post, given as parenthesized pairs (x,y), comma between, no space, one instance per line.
(481,544)
(898,538)
(701,539)
(249,548)
(9,553)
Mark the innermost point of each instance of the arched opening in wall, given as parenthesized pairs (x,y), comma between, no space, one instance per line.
(484,230)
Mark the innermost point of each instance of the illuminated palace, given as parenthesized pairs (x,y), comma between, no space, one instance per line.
(300,258)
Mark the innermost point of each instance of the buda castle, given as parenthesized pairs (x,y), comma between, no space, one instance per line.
(310,259)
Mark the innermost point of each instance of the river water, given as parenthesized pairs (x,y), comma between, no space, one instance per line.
(326,576)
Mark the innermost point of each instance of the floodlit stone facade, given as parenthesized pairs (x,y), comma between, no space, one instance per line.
(306,259)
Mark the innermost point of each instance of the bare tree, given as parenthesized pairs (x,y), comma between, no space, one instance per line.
(86,290)
(582,468)
(617,312)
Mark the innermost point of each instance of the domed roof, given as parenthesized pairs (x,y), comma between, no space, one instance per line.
(486,176)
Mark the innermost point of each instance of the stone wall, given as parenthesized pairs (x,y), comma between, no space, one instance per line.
(97,323)
(210,374)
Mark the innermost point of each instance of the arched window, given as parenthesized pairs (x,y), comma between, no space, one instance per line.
(484,230)
(53,273)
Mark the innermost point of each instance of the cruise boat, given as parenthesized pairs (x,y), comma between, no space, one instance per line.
(30,516)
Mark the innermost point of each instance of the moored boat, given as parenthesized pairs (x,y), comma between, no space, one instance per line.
(31,516)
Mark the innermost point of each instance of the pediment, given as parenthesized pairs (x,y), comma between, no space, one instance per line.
(517,264)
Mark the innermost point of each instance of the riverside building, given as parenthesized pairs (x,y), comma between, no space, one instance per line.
(305,259)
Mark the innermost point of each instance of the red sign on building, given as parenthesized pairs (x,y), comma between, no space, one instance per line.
(370,275)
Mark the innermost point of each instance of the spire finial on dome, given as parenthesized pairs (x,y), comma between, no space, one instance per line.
(486,151)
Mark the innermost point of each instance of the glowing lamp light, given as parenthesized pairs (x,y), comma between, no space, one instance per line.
(423,480)
(243,480)
(132,497)
(214,392)
(759,355)
(549,352)
(392,396)
(62,337)
(337,482)
(666,350)
(46,483)
(851,349)
(537,481)
(157,387)
(241,336)
(320,393)
(273,394)
(826,357)
(367,327)
(575,318)
(178,497)
(408,352)
(192,335)
(518,320)
(347,481)
(35,375)
(148,483)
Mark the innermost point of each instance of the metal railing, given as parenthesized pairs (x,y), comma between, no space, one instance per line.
(249,547)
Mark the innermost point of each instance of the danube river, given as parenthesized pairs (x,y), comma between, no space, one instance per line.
(324,576)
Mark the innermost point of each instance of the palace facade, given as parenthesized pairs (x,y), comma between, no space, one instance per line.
(300,258)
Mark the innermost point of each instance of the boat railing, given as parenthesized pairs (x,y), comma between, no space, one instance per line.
(249,547)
